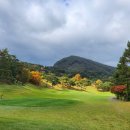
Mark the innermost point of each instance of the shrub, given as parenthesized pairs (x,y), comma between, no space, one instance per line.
(65,82)
(52,78)
(119,91)
(98,83)
(77,77)
(45,84)
(35,78)
(24,76)
(106,86)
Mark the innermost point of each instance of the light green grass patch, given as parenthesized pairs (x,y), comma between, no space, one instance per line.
(29,108)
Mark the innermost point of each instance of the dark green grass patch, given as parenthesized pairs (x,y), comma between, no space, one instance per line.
(46,102)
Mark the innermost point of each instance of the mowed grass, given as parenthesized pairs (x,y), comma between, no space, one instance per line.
(29,108)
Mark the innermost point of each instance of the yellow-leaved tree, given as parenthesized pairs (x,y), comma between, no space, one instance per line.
(35,77)
(98,83)
(77,77)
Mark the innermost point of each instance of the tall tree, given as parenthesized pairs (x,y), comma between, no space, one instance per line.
(11,69)
(122,74)
(5,66)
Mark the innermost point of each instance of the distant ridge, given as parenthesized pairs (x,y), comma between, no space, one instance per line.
(86,67)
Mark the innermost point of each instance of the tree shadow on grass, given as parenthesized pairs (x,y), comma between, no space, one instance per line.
(46,102)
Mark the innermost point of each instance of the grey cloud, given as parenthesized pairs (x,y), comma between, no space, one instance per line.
(45,31)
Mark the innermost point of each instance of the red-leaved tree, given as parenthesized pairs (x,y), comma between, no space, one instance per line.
(119,91)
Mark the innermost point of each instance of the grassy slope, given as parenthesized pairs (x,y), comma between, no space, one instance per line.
(28,108)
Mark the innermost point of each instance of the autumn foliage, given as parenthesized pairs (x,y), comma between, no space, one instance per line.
(35,77)
(77,77)
(118,89)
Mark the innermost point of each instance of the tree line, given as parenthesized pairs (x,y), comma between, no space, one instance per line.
(13,71)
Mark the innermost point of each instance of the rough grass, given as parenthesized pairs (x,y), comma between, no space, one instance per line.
(29,108)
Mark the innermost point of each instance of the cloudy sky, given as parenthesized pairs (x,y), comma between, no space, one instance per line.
(44,31)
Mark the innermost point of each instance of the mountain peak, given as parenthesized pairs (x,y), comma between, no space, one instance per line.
(86,67)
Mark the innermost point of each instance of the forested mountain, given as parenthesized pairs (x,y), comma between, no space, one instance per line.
(74,64)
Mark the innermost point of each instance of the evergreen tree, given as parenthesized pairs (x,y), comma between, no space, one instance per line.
(11,69)
(122,74)
(5,66)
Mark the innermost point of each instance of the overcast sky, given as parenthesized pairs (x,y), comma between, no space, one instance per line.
(44,31)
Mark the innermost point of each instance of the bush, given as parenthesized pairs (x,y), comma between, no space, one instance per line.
(35,78)
(106,86)
(44,84)
(52,78)
(24,76)
(77,77)
(119,91)
(65,82)
(98,83)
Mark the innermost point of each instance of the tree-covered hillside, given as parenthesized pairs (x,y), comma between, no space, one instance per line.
(87,68)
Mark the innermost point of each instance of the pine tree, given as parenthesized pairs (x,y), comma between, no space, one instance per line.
(122,74)
(127,56)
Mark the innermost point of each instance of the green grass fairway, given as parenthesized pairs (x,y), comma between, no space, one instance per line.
(28,108)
